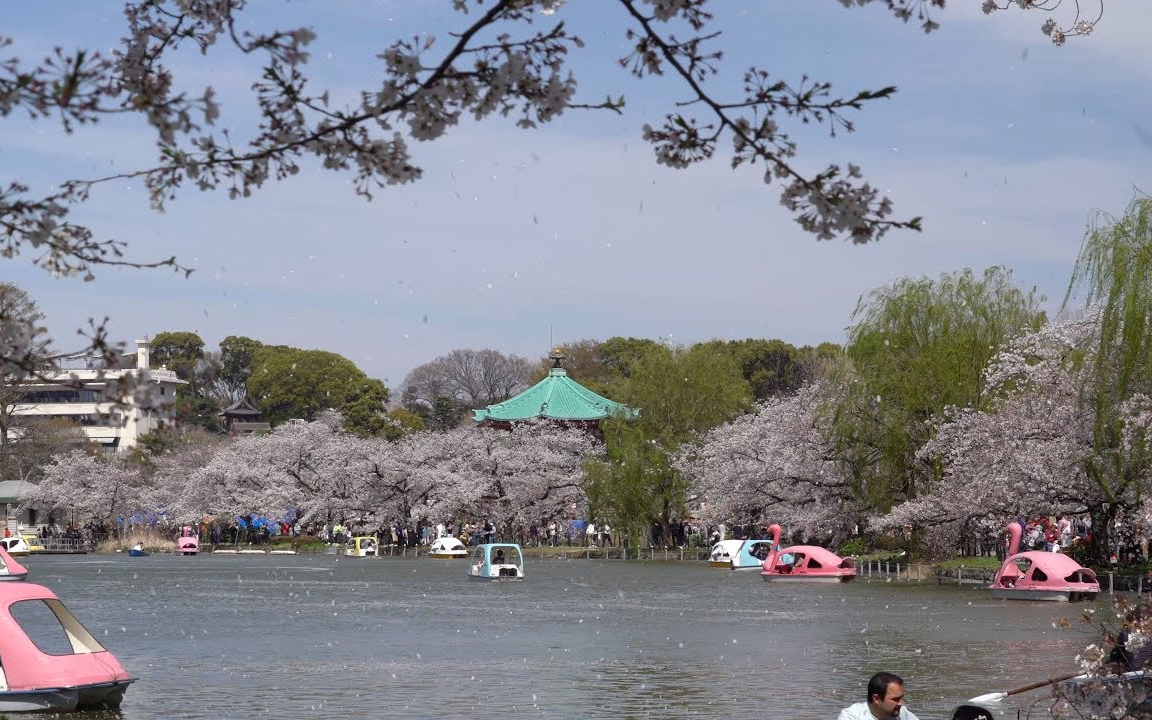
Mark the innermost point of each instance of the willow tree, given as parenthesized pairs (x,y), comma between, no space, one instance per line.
(1114,273)
(917,346)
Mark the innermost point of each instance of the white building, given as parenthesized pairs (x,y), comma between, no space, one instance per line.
(86,400)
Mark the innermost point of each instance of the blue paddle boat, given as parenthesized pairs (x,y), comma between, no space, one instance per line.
(498,562)
(751,555)
(138,551)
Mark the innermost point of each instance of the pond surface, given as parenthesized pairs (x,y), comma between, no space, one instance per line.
(320,636)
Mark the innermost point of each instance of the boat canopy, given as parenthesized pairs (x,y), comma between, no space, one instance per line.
(725,549)
(446,544)
(816,557)
(752,553)
(492,557)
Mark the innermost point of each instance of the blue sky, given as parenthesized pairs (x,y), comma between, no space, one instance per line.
(1003,142)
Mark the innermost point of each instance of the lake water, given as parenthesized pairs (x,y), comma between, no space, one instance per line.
(320,636)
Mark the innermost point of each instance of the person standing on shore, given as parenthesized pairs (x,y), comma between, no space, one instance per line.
(885,701)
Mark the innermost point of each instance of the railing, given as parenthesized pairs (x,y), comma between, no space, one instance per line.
(63,544)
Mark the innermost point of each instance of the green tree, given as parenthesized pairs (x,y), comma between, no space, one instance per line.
(237,358)
(1114,271)
(619,354)
(364,412)
(918,346)
(446,413)
(770,367)
(179,352)
(681,393)
(290,383)
(402,423)
(196,404)
(194,410)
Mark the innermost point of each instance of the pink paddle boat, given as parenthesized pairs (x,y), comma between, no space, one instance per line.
(805,563)
(1037,575)
(10,569)
(50,661)
(187,543)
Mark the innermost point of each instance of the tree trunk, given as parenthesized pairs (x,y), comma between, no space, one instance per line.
(1103,517)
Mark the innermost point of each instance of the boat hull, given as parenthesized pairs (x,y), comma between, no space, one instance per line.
(808,578)
(40,701)
(97,695)
(138,553)
(447,556)
(496,578)
(1001,593)
(720,563)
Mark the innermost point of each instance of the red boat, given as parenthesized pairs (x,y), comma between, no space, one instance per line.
(805,563)
(188,543)
(1038,575)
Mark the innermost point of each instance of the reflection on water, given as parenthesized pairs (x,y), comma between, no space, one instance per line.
(322,636)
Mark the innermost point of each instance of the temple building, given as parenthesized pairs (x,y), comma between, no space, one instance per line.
(557,397)
(242,418)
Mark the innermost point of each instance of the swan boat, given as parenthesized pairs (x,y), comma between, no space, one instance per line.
(1038,575)
(722,553)
(16,546)
(805,563)
(499,562)
(739,554)
(64,668)
(187,543)
(447,548)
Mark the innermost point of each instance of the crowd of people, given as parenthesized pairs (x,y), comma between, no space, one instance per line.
(986,537)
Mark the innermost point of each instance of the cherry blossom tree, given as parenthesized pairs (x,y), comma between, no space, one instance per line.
(1031,452)
(505,58)
(295,467)
(774,465)
(532,473)
(321,472)
(101,486)
(423,477)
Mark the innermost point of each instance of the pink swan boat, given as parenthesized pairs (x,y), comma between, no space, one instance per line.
(187,543)
(805,563)
(72,671)
(10,569)
(1037,575)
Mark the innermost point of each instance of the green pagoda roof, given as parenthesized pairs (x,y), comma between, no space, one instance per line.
(556,397)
